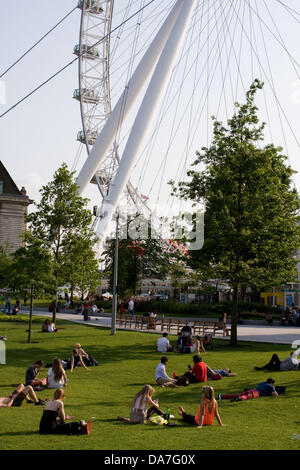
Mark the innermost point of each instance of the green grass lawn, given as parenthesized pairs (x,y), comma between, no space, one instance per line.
(127,362)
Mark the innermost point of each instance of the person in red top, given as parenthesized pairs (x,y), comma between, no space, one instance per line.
(207,410)
(198,372)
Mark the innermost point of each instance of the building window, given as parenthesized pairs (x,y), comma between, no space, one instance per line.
(1,187)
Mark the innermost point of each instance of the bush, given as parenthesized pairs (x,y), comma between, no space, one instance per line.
(247,308)
(20,318)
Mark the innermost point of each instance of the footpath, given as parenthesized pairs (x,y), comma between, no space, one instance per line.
(246,332)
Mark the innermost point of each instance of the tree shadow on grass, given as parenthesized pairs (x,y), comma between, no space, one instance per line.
(20,433)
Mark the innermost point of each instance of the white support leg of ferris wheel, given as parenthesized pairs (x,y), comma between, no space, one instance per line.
(145,115)
(126,101)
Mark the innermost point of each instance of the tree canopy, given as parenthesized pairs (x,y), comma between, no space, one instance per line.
(251,206)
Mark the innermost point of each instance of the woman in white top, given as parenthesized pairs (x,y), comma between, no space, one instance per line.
(197,346)
(52,328)
(139,405)
(56,377)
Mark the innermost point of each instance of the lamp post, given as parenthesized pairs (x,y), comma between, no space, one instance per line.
(115,281)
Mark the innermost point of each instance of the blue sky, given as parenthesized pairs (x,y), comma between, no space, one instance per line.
(41,133)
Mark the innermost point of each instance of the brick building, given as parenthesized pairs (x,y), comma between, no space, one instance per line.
(13,207)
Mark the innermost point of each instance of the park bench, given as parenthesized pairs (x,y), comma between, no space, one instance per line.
(169,323)
(222,328)
(198,327)
(141,321)
(124,320)
(214,327)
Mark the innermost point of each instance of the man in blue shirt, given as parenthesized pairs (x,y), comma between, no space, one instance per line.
(267,389)
(264,389)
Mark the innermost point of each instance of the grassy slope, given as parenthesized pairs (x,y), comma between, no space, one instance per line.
(127,362)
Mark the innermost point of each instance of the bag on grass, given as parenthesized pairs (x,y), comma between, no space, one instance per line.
(158,420)
(86,427)
(182,380)
(90,361)
(216,377)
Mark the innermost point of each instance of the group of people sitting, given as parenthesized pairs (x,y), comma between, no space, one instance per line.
(143,406)
(53,420)
(184,344)
(200,372)
(291,316)
(49,327)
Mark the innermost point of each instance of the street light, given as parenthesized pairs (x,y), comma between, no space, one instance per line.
(115,281)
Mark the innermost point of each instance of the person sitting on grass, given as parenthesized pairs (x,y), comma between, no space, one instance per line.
(139,413)
(290,363)
(178,346)
(52,328)
(56,377)
(163,344)
(20,394)
(53,420)
(198,373)
(264,389)
(81,351)
(45,326)
(161,375)
(31,376)
(76,360)
(197,346)
(207,410)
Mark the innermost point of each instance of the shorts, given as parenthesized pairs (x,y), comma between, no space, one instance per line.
(19,399)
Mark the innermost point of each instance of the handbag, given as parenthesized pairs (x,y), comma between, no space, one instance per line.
(86,427)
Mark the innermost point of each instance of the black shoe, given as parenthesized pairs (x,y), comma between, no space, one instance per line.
(40,402)
(29,402)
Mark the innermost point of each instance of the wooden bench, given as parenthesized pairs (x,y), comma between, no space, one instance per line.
(198,327)
(169,323)
(124,320)
(223,329)
(213,327)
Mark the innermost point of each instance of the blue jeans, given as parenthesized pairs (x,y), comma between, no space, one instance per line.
(131,312)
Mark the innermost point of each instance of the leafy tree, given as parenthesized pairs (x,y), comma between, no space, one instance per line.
(5,261)
(81,267)
(251,207)
(145,257)
(31,271)
(60,217)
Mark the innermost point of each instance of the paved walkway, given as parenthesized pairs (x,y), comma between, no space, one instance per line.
(257,333)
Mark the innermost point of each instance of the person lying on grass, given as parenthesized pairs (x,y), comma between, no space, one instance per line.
(142,400)
(56,377)
(53,420)
(32,373)
(20,394)
(207,410)
(290,363)
(225,372)
(264,389)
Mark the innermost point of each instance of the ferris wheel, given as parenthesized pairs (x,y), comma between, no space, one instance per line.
(93,93)
(158,72)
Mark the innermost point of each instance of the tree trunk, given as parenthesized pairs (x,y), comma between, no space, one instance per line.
(54,312)
(30,315)
(234,316)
